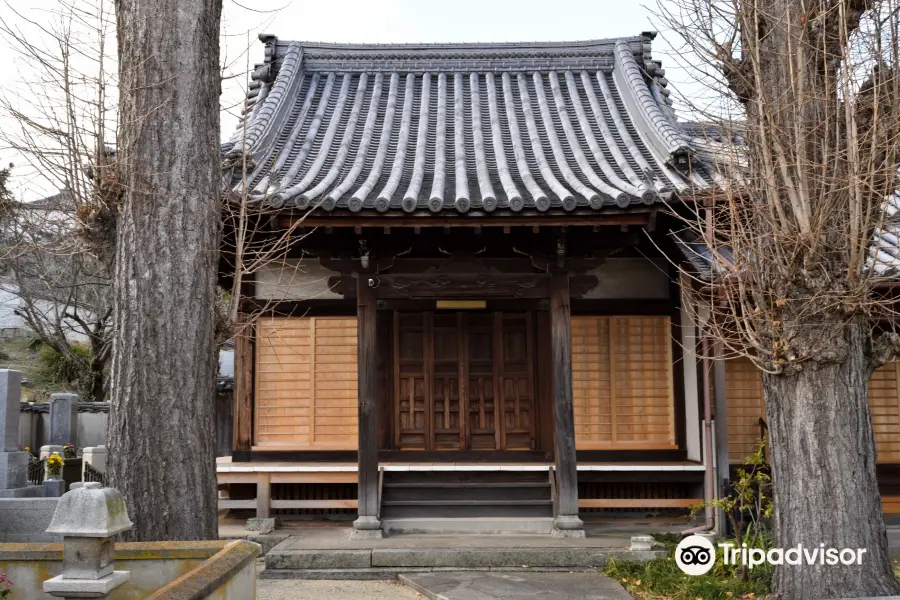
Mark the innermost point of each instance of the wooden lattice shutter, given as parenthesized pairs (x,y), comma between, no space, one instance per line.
(744,393)
(746,404)
(884,406)
(306,383)
(622,382)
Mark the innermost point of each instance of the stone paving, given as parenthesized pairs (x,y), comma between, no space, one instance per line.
(273,589)
(515,586)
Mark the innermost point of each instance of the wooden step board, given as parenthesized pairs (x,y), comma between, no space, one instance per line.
(639,502)
(466,495)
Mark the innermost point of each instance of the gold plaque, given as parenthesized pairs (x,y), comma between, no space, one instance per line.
(462,304)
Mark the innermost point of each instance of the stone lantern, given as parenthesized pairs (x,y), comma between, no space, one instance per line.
(88,518)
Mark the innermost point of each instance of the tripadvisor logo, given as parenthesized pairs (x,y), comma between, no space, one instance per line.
(696,555)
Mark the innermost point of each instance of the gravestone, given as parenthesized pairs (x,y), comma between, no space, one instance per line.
(11,396)
(13,463)
(63,419)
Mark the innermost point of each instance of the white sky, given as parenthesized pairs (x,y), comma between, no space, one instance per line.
(427,21)
(359,21)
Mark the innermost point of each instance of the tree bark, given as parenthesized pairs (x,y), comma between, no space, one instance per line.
(823,464)
(162,426)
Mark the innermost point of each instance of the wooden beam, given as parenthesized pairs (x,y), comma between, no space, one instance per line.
(243,385)
(639,217)
(639,502)
(225,503)
(223,478)
(314,477)
(367,395)
(563,413)
(314,504)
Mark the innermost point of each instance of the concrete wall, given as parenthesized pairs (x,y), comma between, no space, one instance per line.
(34,429)
(242,586)
(26,519)
(221,570)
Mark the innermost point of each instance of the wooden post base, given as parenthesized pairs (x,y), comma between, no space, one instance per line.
(366,528)
(568,526)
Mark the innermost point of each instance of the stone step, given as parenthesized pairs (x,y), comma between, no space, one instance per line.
(403,559)
(471,526)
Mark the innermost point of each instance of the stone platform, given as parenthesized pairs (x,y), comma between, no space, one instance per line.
(326,552)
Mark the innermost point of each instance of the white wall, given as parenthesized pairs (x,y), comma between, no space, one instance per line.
(631,278)
(303,279)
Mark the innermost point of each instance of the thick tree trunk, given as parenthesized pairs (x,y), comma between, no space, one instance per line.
(162,427)
(823,464)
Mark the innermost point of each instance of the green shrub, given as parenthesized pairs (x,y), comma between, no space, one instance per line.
(63,369)
(662,578)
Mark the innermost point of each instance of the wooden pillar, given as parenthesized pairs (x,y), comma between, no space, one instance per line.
(367,525)
(242,432)
(263,496)
(723,475)
(566,522)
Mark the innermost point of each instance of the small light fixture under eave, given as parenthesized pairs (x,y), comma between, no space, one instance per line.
(461,304)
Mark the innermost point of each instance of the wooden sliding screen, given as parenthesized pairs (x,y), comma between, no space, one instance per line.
(746,405)
(743,390)
(306,380)
(622,382)
(884,407)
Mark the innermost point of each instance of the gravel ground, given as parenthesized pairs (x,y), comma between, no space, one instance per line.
(286,589)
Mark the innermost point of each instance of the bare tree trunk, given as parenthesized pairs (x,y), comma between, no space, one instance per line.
(823,461)
(161,427)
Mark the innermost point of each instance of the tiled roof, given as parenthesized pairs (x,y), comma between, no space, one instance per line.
(883,260)
(884,253)
(462,126)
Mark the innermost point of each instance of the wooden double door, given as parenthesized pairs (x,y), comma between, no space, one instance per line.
(464,381)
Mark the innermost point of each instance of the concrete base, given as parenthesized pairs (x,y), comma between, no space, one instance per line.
(366,534)
(263,526)
(568,526)
(85,588)
(29,491)
(366,528)
(54,488)
(25,520)
(641,542)
(477,526)
(568,533)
